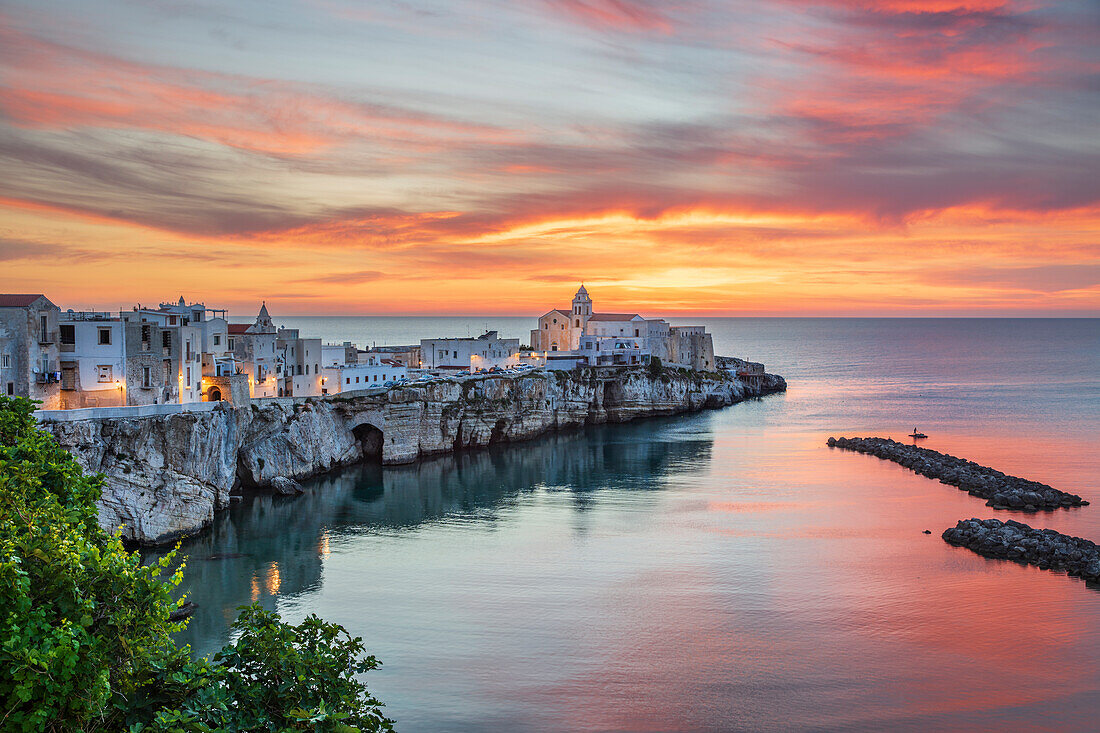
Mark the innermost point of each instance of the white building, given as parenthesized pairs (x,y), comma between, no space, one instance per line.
(93,359)
(562,330)
(347,377)
(484,352)
(333,355)
(211,323)
(301,361)
(613,350)
(253,345)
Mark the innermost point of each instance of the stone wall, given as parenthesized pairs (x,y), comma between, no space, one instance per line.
(166,475)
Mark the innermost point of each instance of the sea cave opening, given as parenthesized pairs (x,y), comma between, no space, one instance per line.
(370,441)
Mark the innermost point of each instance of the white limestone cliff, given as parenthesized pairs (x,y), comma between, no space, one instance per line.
(165,476)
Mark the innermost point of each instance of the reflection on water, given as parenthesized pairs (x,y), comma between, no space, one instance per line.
(270,546)
(723,571)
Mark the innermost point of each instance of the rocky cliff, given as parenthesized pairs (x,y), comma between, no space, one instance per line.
(165,476)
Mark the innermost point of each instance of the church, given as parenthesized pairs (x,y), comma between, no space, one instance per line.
(581,330)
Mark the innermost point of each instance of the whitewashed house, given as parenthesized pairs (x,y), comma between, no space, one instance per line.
(301,361)
(368,374)
(484,352)
(93,359)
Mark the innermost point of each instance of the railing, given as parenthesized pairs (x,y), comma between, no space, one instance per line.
(90,316)
(92,413)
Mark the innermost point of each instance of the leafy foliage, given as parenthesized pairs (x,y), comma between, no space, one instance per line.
(85,633)
(655,367)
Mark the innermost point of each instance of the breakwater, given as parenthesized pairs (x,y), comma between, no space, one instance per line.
(166,475)
(1000,490)
(1011,540)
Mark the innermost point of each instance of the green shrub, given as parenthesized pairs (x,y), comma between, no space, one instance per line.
(85,635)
(655,368)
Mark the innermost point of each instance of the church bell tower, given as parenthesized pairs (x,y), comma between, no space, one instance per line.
(582,304)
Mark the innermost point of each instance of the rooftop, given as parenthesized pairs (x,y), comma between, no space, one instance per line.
(614,316)
(18,300)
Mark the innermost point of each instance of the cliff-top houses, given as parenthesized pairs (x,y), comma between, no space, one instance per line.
(180,353)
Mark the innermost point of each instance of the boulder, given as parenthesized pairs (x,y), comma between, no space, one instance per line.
(286,486)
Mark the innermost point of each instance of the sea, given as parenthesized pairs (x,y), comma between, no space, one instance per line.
(721,571)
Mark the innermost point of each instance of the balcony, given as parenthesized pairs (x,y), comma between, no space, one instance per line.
(47,337)
(47,377)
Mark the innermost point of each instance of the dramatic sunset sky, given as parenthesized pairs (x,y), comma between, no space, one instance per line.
(787,157)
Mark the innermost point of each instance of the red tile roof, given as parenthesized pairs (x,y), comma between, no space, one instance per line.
(238,327)
(613,316)
(18,300)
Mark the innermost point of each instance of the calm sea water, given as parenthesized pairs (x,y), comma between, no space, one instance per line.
(720,571)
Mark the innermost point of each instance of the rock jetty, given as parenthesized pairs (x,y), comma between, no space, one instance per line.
(1000,490)
(165,476)
(1046,548)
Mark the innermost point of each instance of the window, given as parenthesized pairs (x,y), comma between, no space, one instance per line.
(217,339)
(11,388)
(103,372)
(188,377)
(357,380)
(146,377)
(636,332)
(307,368)
(189,358)
(45,329)
(578,323)
(166,339)
(5,361)
(104,337)
(68,334)
(229,344)
(349,379)
(171,320)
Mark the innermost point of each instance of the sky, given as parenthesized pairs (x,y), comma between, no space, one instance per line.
(786,158)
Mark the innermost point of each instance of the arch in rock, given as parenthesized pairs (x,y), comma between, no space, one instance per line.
(370,438)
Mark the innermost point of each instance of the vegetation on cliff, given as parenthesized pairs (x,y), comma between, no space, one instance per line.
(85,631)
